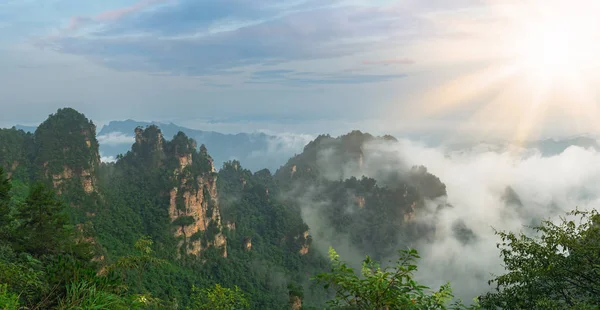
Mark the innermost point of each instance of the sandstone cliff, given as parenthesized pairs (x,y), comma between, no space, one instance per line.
(193,197)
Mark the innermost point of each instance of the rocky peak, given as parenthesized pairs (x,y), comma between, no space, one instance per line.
(194,201)
(329,157)
(149,145)
(428,184)
(66,150)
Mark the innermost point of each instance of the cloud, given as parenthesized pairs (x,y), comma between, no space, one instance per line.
(299,78)
(402,61)
(77,22)
(108,159)
(283,144)
(476,183)
(324,79)
(175,39)
(190,16)
(115,138)
(271,73)
(487,190)
(122,12)
(276,148)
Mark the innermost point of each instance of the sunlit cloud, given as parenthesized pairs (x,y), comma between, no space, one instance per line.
(531,59)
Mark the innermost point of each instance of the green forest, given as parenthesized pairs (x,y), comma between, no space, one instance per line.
(162,228)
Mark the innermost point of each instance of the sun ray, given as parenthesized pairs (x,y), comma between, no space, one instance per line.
(541,61)
(465,88)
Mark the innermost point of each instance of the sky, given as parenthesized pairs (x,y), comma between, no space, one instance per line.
(302,65)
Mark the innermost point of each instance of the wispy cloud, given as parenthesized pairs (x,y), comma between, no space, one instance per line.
(400,61)
(115,138)
(77,22)
(182,38)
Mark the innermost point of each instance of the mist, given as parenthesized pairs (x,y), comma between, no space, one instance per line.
(488,189)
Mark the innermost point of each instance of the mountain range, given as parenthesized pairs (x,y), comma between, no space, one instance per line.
(264,231)
(259,150)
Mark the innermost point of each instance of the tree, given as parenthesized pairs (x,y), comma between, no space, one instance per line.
(387,288)
(558,269)
(44,226)
(5,187)
(138,262)
(217,298)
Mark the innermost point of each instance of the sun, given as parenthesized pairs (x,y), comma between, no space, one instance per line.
(554,48)
(531,63)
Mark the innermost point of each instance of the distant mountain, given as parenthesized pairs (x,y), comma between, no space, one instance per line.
(26,128)
(550,147)
(546,147)
(256,150)
(260,150)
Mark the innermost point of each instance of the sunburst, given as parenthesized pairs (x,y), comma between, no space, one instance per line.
(541,60)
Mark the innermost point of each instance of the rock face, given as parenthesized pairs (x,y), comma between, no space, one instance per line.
(13,167)
(295,303)
(247,243)
(194,201)
(200,206)
(191,188)
(360,201)
(305,245)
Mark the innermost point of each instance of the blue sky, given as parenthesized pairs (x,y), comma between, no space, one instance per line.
(318,62)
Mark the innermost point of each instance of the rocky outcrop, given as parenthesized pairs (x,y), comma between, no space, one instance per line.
(247,243)
(13,167)
(194,201)
(200,207)
(87,181)
(60,178)
(305,245)
(411,214)
(66,151)
(295,302)
(360,201)
(293,170)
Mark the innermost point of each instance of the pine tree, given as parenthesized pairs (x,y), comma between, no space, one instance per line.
(44,226)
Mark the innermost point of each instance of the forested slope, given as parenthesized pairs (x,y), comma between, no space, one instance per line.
(163,228)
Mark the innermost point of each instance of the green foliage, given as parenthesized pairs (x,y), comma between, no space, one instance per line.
(16,153)
(44,226)
(66,138)
(139,262)
(382,288)
(557,269)
(84,295)
(184,221)
(5,210)
(217,298)
(8,300)
(24,274)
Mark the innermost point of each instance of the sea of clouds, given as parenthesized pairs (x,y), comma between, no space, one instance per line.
(476,180)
